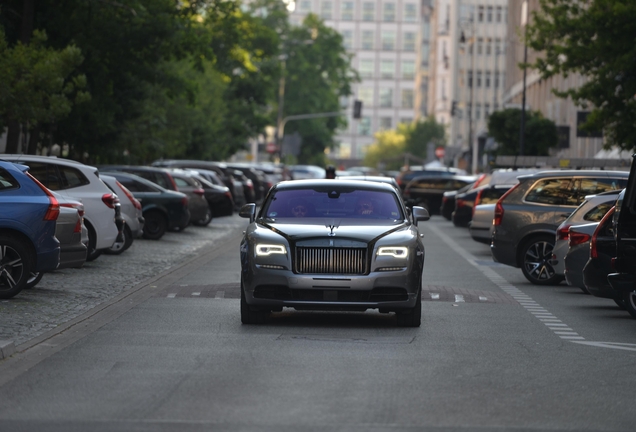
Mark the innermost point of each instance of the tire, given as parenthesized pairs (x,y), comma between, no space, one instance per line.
(92,253)
(411,317)
(155,225)
(119,247)
(536,254)
(630,301)
(204,221)
(34,279)
(250,316)
(15,264)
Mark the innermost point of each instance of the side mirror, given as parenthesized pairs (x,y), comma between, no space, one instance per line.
(420,214)
(248,211)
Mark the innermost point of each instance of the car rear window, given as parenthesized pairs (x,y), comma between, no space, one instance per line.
(72,177)
(7,182)
(597,213)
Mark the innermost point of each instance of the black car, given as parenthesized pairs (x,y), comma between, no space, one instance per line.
(624,224)
(162,209)
(427,191)
(448,201)
(465,202)
(160,176)
(332,245)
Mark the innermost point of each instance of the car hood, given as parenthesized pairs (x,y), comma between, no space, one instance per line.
(338,228)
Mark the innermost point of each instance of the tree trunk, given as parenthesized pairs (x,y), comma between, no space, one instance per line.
(34,138)
(13,137)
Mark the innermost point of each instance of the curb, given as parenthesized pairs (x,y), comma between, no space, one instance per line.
(7,349)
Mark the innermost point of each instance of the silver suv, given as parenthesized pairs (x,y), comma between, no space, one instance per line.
(527,216)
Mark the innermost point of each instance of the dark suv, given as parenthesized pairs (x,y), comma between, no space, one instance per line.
(624,280)
(527,216)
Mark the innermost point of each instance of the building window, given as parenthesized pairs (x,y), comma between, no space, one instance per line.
(480,43)
(425,52)
(388,40)
(346,11)
(408,69)
(470,78)
(489,14)
(408,42)
(406,120)
(477,111)
(386,123)
(498,14)
(366,68)
(368,11)
(386,97)
(480,14)
(408,98)
(366,95)
(486,110)
(410,12)
(347,39)
(388,12)
(496,80)
(387,69)
(488,46)
(367,40)
(478,83)
(305,6)
(326,9)
(364,126)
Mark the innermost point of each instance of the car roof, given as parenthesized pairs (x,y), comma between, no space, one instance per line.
(309,183)
(21,158)
(574,173)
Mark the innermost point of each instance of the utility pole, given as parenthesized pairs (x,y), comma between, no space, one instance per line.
(522,128)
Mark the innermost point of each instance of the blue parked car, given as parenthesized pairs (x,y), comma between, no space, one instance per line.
(28,215)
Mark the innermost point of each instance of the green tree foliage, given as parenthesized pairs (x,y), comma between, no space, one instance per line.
(422,132)
(596,39)
(38,84)
(386,149)
(540,133)
(318,74)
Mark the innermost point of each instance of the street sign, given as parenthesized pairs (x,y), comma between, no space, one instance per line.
(271,147)
(440,152)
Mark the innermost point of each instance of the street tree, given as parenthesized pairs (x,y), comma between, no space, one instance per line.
(595,39)
(422,132)
(387,149)
(540,133)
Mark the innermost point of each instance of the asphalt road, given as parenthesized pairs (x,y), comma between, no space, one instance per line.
(494,353)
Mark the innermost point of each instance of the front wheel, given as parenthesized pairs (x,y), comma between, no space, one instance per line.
(120,246)
(630,302)
(204,221)
(251,316)
(155,225)
(536,261)
(412,317)
(15,266)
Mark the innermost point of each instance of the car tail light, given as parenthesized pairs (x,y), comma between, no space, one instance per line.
(249,184)
(199,192)
(459,203)
(53,211)
(77,206)
(479,180)
(576,238)
(228,194)
(477,199)
(563,233)
(130,196)
(406,194)
(110,199)
(499,210)
(601,224)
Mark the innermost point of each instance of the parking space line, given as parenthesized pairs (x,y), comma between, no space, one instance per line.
(173,295)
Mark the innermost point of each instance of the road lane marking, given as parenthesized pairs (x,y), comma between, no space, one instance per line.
(434,296)
(459,298)
(196,293)
(173,295)
(482,298)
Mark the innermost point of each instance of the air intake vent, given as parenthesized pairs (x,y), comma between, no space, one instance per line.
(326,260)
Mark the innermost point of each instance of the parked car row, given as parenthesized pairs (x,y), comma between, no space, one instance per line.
(557,225)
(58,213)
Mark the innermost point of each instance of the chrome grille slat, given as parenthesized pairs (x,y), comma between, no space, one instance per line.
(328,260)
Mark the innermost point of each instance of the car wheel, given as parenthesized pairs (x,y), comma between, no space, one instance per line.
(15,262)
(155,225)
(92,253)
(205,221)
(536,257)
(34,279)
(250,316)
(630,302)
(119,247)
(412,317)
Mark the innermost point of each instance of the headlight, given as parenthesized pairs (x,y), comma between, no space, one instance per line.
(394,251)
(269,249)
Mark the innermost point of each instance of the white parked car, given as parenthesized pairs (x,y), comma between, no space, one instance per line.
(76,180)
(131,212)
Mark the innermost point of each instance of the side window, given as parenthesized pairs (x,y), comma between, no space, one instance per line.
(555,191)
(46,174)
(72,177)
(597,213)
(7,181)
(593,186)
(180,182)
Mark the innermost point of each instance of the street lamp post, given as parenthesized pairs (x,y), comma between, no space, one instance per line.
(471,83)
(522,128)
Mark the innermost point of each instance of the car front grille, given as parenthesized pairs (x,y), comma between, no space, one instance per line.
(329,260)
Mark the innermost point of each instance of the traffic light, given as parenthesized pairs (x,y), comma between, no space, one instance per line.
(357,109)
(454,109)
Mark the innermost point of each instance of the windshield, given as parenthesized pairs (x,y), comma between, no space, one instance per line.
(334,202)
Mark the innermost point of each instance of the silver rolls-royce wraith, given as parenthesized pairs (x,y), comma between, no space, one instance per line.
(332,245)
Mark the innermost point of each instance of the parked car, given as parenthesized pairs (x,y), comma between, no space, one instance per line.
(448,201)
(465,202)
(406,176)
(300,172)
(200,212)
(527,216)
(162,209)
(258,179)
(78,181)
(592,209)
(427,191)
(132,213)
(160,176)
(27,228)
(372,258)
(578,254)
(624,227)
(219,197)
